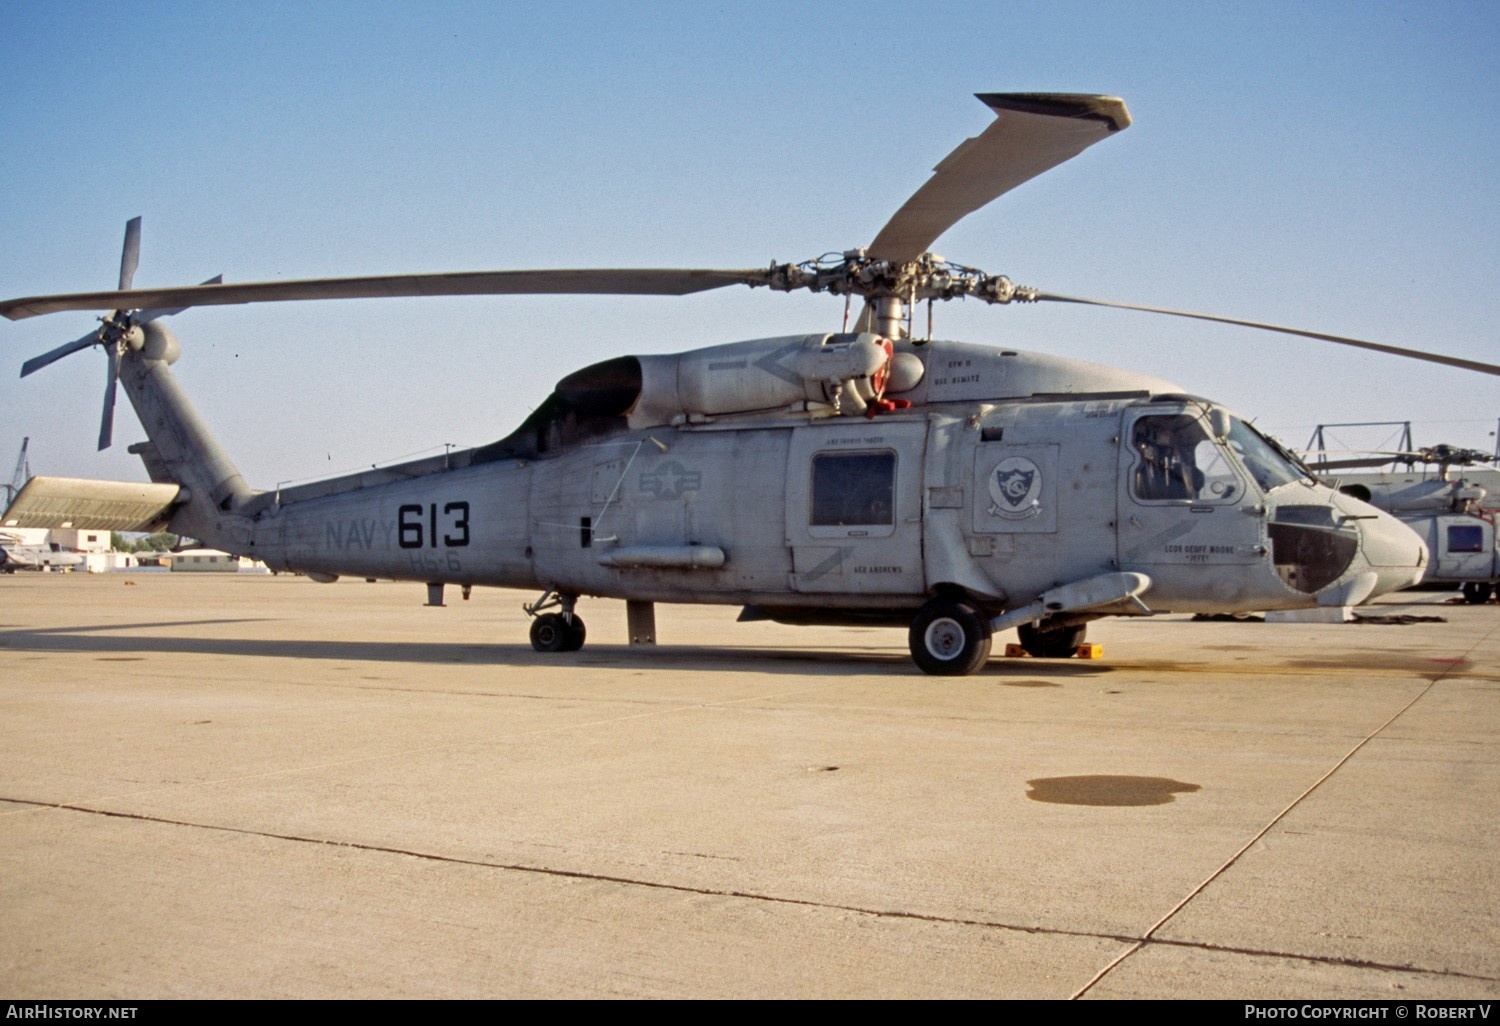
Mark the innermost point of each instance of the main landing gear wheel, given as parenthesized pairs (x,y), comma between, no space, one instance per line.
(949,638)
(1051,642)
(1477,593)
(551,632)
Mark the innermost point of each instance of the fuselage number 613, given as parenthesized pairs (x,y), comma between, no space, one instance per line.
(418,525)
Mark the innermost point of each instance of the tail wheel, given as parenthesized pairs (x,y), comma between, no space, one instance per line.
(949,638)
(1051,642)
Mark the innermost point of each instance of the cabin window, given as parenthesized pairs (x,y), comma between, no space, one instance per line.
(1465,538)
(854,489)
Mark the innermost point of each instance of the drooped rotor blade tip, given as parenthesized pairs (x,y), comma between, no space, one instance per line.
(1109,109)
(1031,133)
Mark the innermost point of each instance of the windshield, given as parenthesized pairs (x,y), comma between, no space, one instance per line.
(1270,464)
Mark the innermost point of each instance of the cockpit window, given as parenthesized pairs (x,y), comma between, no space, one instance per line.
(1267,462)
(1176,459)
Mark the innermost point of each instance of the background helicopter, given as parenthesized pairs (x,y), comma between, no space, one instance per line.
(865,476)
(15,552)
(1448,494)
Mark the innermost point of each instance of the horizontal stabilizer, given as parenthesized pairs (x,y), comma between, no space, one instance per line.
(63,503)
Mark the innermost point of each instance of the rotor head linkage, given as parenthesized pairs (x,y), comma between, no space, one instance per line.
(928,277)
(890,287)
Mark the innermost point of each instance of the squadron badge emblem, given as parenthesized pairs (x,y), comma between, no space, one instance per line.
(1016,489)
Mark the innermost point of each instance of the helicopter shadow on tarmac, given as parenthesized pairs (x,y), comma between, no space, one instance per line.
(109,645)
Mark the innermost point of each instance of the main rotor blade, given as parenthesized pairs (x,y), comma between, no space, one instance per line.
(130,255)
(1368,461)
(107,422)
(36,363)
(1032,133)
(1413,354)
(644,281)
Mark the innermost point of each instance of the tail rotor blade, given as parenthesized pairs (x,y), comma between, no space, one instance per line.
(36,363)
(130,255)
(147,316)
(107,422)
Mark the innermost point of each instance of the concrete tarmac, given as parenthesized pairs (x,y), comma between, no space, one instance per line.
(217,786)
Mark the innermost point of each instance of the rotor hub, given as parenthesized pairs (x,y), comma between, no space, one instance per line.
(930,277)
(119,329)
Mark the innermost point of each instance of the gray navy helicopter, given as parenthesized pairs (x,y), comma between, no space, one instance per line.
(864,477)
(1451,502)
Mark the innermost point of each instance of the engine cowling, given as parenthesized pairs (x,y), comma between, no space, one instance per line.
(836,373)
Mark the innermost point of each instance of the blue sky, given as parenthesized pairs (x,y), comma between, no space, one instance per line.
(1333,166)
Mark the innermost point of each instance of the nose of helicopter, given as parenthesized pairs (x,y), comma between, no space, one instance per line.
(1396,554)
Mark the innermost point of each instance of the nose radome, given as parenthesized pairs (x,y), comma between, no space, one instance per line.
(1395,552)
